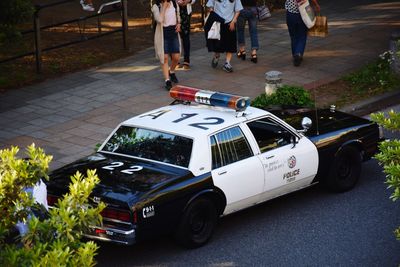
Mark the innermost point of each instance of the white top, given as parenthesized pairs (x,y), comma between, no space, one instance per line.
(170,16)
(225,9)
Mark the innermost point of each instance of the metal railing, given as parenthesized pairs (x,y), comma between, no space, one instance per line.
(37,28)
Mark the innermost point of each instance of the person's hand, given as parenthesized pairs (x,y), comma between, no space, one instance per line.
(232,25)
(301,2)
(178,27)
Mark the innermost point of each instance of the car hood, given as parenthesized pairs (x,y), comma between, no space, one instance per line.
(121,178)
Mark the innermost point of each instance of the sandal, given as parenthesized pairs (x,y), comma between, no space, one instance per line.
(254,58)
(241,54)
(186,65)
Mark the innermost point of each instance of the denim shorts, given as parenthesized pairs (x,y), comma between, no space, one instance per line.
(171,41)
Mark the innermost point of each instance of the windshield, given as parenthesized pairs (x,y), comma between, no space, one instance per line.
(150,144)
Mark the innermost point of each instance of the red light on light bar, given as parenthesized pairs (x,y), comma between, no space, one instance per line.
(100,231)
(185,93)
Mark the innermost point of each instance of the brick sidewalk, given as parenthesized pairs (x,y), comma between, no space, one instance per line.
(68,116)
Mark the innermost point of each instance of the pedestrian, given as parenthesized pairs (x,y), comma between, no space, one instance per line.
(226,12)
(87,5)
(248,14)
(297,28)
(185,11)
(166,38)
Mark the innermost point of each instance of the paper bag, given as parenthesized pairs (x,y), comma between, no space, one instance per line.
(214,32)
(320,28)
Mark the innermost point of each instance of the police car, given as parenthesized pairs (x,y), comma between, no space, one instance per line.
(178,168)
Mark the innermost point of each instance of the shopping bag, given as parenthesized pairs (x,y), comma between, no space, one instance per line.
(320,28)
(214,32)
(307,14)
(263,13)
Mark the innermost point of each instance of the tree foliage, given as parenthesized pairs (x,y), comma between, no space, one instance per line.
(13,12)
(56,239)
(389,155)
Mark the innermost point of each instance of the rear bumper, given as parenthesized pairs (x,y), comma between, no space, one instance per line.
(109,234)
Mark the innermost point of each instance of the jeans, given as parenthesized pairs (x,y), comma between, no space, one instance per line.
(248,14)
(297,31)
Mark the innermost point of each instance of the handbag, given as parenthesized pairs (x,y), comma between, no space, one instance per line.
(320,28)
(214,32)
(307,14)
(263,12)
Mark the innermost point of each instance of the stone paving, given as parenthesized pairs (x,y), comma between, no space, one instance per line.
(69,115)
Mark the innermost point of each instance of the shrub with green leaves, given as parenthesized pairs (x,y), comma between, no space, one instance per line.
(389,155)
(56,239)
(286,95)
(374,77)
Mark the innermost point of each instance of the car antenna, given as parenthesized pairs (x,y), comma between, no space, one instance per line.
(316,109)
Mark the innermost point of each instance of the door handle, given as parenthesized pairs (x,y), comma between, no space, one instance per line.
(222,172)
(270,157)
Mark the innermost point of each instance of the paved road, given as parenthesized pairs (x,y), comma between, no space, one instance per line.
(307,228)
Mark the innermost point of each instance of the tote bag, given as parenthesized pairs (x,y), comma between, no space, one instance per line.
(320,28)
(307,14)
(263,12)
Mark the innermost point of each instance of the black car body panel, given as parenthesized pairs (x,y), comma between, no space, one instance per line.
(158,193)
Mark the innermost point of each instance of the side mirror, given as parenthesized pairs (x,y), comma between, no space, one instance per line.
(306,123)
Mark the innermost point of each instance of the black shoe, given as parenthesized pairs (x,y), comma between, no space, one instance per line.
(173,78)
(168,85)
(227,67)
(241,54)
(214,62)
(297,60)
(254,58)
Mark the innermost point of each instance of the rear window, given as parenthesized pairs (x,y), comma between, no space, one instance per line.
(150,144)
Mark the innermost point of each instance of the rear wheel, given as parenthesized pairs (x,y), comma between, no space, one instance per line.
(197,223)
(345,170)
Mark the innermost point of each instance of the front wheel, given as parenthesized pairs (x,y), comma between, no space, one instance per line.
(197,223)
(345,170)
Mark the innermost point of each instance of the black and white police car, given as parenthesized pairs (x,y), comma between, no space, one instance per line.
(178,168)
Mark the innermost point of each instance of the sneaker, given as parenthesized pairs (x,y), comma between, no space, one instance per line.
(168,85)
(214,62)
(173,78)
(227,67)
(297,60)
(86,7)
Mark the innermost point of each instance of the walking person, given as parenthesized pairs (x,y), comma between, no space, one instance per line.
(226,12)
(248,14)
(166,38)
(297,28)
(185,11)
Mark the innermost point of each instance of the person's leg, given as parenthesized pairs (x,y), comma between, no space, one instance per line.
(174,62)
(165,71)
(186,47)
(253,35)
(291,24)
(241,22)
(301,37)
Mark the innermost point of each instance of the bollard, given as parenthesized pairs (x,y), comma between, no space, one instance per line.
(394,47)
(273,81)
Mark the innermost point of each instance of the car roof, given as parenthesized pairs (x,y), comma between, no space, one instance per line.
(192,120)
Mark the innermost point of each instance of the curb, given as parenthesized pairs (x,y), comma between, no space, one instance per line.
(373,104)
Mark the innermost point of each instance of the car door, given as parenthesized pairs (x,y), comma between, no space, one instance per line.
(235,169)
(290,160)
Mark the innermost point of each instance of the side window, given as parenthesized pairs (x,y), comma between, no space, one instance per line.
(269,135)
(229,146)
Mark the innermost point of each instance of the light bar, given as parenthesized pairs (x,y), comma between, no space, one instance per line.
(185,93)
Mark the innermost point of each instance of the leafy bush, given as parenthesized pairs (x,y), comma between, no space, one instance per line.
(56,239)
(285,96)
(13,12)
(374,77)
(389,155)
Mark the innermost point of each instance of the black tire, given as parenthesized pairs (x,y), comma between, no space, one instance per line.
(345,170)
(197,223)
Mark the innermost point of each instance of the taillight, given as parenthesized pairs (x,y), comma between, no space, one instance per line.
(120,215)
(52,200)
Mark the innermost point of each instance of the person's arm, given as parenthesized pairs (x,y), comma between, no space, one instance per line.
(178,19)
(316,6)
(158,17)
(210,5)
(233,22)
